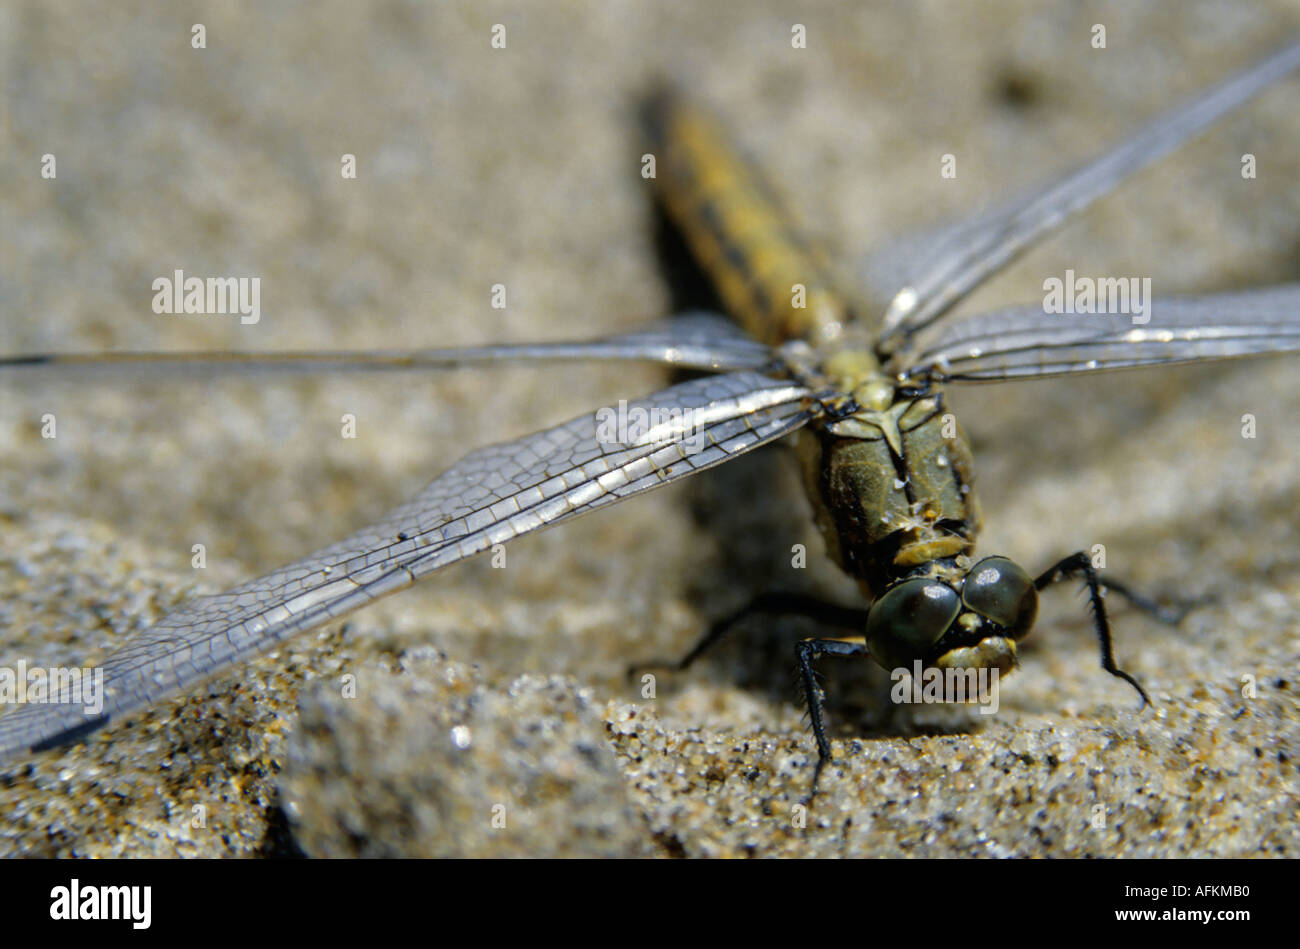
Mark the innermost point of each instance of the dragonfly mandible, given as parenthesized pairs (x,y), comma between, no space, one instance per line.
(892,488)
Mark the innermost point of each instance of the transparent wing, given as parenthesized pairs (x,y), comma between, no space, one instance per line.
(934,274)
(697,340)
(1027,343)
(489,497)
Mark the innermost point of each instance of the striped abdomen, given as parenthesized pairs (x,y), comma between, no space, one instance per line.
(766,276)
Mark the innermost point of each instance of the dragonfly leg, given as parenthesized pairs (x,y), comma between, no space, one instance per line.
(807,652)
(1169,613)
(1080,565)
(771,604)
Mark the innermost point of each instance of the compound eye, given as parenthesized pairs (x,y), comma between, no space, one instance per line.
(1001,591)
(910,618)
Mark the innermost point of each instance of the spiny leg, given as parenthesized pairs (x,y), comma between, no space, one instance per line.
(772,604)
(1080,565)
(1169,613)
(807,652)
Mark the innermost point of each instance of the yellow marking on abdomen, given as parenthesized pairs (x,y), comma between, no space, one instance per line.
(736,232)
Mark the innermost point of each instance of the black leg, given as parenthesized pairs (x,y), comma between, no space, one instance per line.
(796,604)
(1169,613)
(1080,565)
(807,652)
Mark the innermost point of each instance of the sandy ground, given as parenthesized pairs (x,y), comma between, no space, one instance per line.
(491,714)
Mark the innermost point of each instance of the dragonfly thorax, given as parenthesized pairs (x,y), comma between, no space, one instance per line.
(891,487)
(857,372)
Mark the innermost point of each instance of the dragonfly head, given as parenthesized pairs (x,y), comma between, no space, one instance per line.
(973,622)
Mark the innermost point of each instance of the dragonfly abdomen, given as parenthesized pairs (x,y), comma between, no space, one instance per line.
(767,277)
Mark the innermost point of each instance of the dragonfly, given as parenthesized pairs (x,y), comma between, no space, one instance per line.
(888,471)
